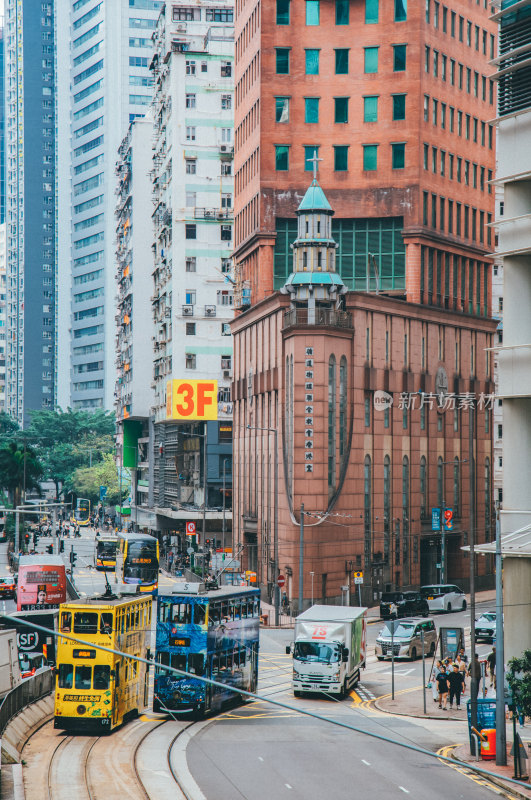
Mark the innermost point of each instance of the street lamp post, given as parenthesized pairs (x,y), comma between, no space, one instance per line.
(442,529)
(276,587)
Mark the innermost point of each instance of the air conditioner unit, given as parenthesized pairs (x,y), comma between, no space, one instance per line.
(224,148)
(181,28)
(188,311)
(210,311)
(209,214)
(167,312)
(226,373)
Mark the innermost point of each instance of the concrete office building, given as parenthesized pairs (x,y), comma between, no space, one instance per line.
(30,142)
(104,51)
(395,97)
(2,316)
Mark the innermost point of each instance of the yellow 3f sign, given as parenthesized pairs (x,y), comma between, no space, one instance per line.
(191,400)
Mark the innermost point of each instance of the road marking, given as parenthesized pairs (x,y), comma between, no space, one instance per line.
(459,766)
(404,790)
(402,672)
(288,786)
(260,758)
(367,763)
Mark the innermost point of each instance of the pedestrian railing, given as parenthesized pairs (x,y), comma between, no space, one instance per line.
(27,692)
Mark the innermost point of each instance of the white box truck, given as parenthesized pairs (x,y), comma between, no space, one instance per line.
(329,649)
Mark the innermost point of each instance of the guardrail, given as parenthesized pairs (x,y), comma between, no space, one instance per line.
(27,692)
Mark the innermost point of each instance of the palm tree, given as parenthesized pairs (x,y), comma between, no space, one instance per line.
(19,469)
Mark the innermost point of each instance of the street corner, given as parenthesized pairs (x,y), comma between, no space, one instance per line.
(409,702)
(496,780)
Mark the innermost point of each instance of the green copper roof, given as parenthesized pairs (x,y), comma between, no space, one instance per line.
(317,278)
(315,199)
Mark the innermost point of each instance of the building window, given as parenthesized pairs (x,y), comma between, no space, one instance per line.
(283,12)
(190,166)
(281,157)
(371,12)
(341,109)
(398,151)
(190,297)
(311,109)
(387,417)
(190,133)
(309,152)
(342,61)
(282,60)
(423,417)
(387,504)
(224,297)
(190,328)
(342,12)
(367,410)
(191,231)
(457,487)
(400,10)
(312,62)
(226,233)
(225,69)
(190,361)
(226,102)
(341,158)
(370,157)
(342,408)
(226,168)
(191,101)
(331,424)
(371,59)
(191,264)
(281,109)
(226,362)
(399,57)
(399,106)
(312,12)
(190,67)
(370,108)
(225,329)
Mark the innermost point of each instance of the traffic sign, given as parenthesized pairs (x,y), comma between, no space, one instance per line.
(281,581)
(103,493)
(190,550)
(436,519)
(358,577)
(448,519)
(190,528)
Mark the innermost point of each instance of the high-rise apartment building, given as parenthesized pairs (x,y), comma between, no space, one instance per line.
(2,127)
(105,48)
(30,142)
(395,98)
(2,316)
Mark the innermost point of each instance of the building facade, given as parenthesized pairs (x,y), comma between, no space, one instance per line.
(381,410)
(30,143)
(104,83)
(395,98)
(514,355)
(3,291)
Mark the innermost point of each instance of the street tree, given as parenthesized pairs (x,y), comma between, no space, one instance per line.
(519,680)
(86,481)
(20,469)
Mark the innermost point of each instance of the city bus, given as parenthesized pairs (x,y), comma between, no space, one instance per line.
(95,690)
(81,514)
(212,634)
(106,552)
(137,561)
(41,582)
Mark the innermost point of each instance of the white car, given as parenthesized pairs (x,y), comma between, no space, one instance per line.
(444,597)
(486,627)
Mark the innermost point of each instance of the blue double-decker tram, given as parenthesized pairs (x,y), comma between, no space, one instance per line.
(212,634)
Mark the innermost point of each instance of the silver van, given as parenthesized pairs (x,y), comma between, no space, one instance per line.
(407,639)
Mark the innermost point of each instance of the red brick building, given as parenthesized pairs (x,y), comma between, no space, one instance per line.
(320,365)
(396,99)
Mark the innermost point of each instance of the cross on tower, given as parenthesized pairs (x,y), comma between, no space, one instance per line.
(315,162)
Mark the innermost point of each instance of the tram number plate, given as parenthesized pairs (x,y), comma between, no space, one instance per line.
(179,641)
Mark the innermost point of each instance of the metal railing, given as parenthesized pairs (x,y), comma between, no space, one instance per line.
(321,316)
(26,693)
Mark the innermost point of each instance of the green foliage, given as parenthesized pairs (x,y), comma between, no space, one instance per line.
(86,481)
(519,680)
(7,425)
(19,467)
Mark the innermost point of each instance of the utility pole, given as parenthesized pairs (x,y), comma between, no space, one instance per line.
(17,532)
(501,744)
(472,541)
(301,559)
(223,523)
(443,532)
(204,495)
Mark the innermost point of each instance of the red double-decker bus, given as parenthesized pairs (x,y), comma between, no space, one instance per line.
(41,582)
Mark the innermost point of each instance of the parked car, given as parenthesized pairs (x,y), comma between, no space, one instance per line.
(8,587)
(403,604)
(406,641)
(444,597)
(486,627)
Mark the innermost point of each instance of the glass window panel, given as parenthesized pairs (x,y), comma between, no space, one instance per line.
(312,62)
(342,62)
(371,59)
(309,152)
(399,106)
(83,677)
(341,158)
(400,10)
(312,12)
(399,155)
(370,152)
(370,109)
(281,158)
(66,676)
(281,109)
(102,673)
(311,109)
(342,12)
(371,12)
(283,12)
(340,109)
(399,57)
(282,60)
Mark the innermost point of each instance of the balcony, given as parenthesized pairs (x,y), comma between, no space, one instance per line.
(325,317)
(212,213)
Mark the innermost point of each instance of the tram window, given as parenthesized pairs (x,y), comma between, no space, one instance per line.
(66,676)
(199,614)
(127,621)
(235,609)
(66,622)
(106,623)
(244,609)
(164,659)
(122,622)
(213,614)
(117,673)
(256,607)
(137,617)
(181,613)
(83,677)
(178,661)
(164,611)
(196,663)
(225,612)
(85,622)
(102,674)
(215,668)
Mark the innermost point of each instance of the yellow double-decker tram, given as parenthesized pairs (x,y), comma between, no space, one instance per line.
(95,690)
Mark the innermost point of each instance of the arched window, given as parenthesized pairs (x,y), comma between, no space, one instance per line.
(440,482)
(423,501)
(387,506)
(342,407)
(331,425)
(488,501)
(457,487)
(405,517)
(367,506)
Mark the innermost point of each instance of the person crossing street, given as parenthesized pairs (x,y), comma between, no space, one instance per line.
(456,682)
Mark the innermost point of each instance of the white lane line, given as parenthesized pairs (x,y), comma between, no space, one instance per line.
(404,790)
(260,758)
(288,786)
(367,763)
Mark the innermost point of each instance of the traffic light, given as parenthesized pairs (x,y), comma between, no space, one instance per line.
(26,538)
(73,558)
(49,549)
(61,546)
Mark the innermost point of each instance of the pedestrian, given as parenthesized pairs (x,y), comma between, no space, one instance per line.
(455,683)
(463,655)
(491,660)
(442,685)
(170,560)
(433,681)
(461,663)
(474,671)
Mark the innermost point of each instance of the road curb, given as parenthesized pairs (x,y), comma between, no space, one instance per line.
(416,716)
(189,785)
(509,788)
